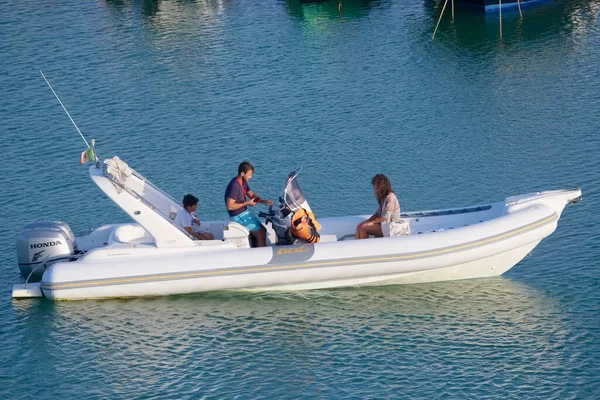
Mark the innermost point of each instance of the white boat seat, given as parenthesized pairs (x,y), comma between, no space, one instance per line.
(131,233)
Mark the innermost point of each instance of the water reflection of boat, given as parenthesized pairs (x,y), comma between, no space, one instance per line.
(468,301)
(168,11)
(552,22)
(489,311)
(155,257)
(231,343)
(314,10)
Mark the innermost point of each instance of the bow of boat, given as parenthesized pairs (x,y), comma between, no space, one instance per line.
(557,199)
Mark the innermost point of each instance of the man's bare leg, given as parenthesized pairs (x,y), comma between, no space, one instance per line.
(260,236)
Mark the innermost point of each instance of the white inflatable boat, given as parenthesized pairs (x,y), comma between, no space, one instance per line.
(153,257)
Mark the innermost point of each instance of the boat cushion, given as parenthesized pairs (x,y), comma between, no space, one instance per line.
(131,233)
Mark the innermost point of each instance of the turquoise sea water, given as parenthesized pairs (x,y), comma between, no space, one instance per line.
(185,90)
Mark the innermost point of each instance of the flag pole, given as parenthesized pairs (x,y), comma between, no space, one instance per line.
(96,159)
(69,115)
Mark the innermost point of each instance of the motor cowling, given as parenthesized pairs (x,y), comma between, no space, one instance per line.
(43,242)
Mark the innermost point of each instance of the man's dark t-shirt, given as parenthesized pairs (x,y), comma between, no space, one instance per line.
(234,191)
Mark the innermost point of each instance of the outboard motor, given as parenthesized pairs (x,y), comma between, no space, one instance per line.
(43,242)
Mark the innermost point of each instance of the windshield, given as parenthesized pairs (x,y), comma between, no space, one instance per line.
(292,194)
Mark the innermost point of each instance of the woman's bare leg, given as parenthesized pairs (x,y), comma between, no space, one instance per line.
(357,232)
(375,230)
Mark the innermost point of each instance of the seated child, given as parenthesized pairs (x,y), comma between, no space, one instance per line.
(187,219)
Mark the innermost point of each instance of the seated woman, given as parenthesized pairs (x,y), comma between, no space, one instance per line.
(387,213)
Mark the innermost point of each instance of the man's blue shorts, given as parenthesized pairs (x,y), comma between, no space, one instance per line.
(248,219)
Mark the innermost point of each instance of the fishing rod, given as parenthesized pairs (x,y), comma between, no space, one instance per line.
(69,115)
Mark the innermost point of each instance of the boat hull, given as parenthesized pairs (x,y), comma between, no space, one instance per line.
(485,267)
(313,267)
(453,244)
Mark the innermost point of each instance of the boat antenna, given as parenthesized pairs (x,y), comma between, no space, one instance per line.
(69,115)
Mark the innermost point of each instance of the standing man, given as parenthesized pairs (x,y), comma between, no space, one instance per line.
(237,206)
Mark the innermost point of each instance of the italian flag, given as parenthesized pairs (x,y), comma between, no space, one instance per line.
(87,156)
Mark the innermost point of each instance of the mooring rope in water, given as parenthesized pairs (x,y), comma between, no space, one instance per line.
(43,262)
(438,23)
(500,9)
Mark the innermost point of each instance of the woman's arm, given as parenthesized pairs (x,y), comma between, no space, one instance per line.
(376,220)
(371,220)
(372,217)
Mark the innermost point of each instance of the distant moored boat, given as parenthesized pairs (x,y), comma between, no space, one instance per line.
(493,5)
